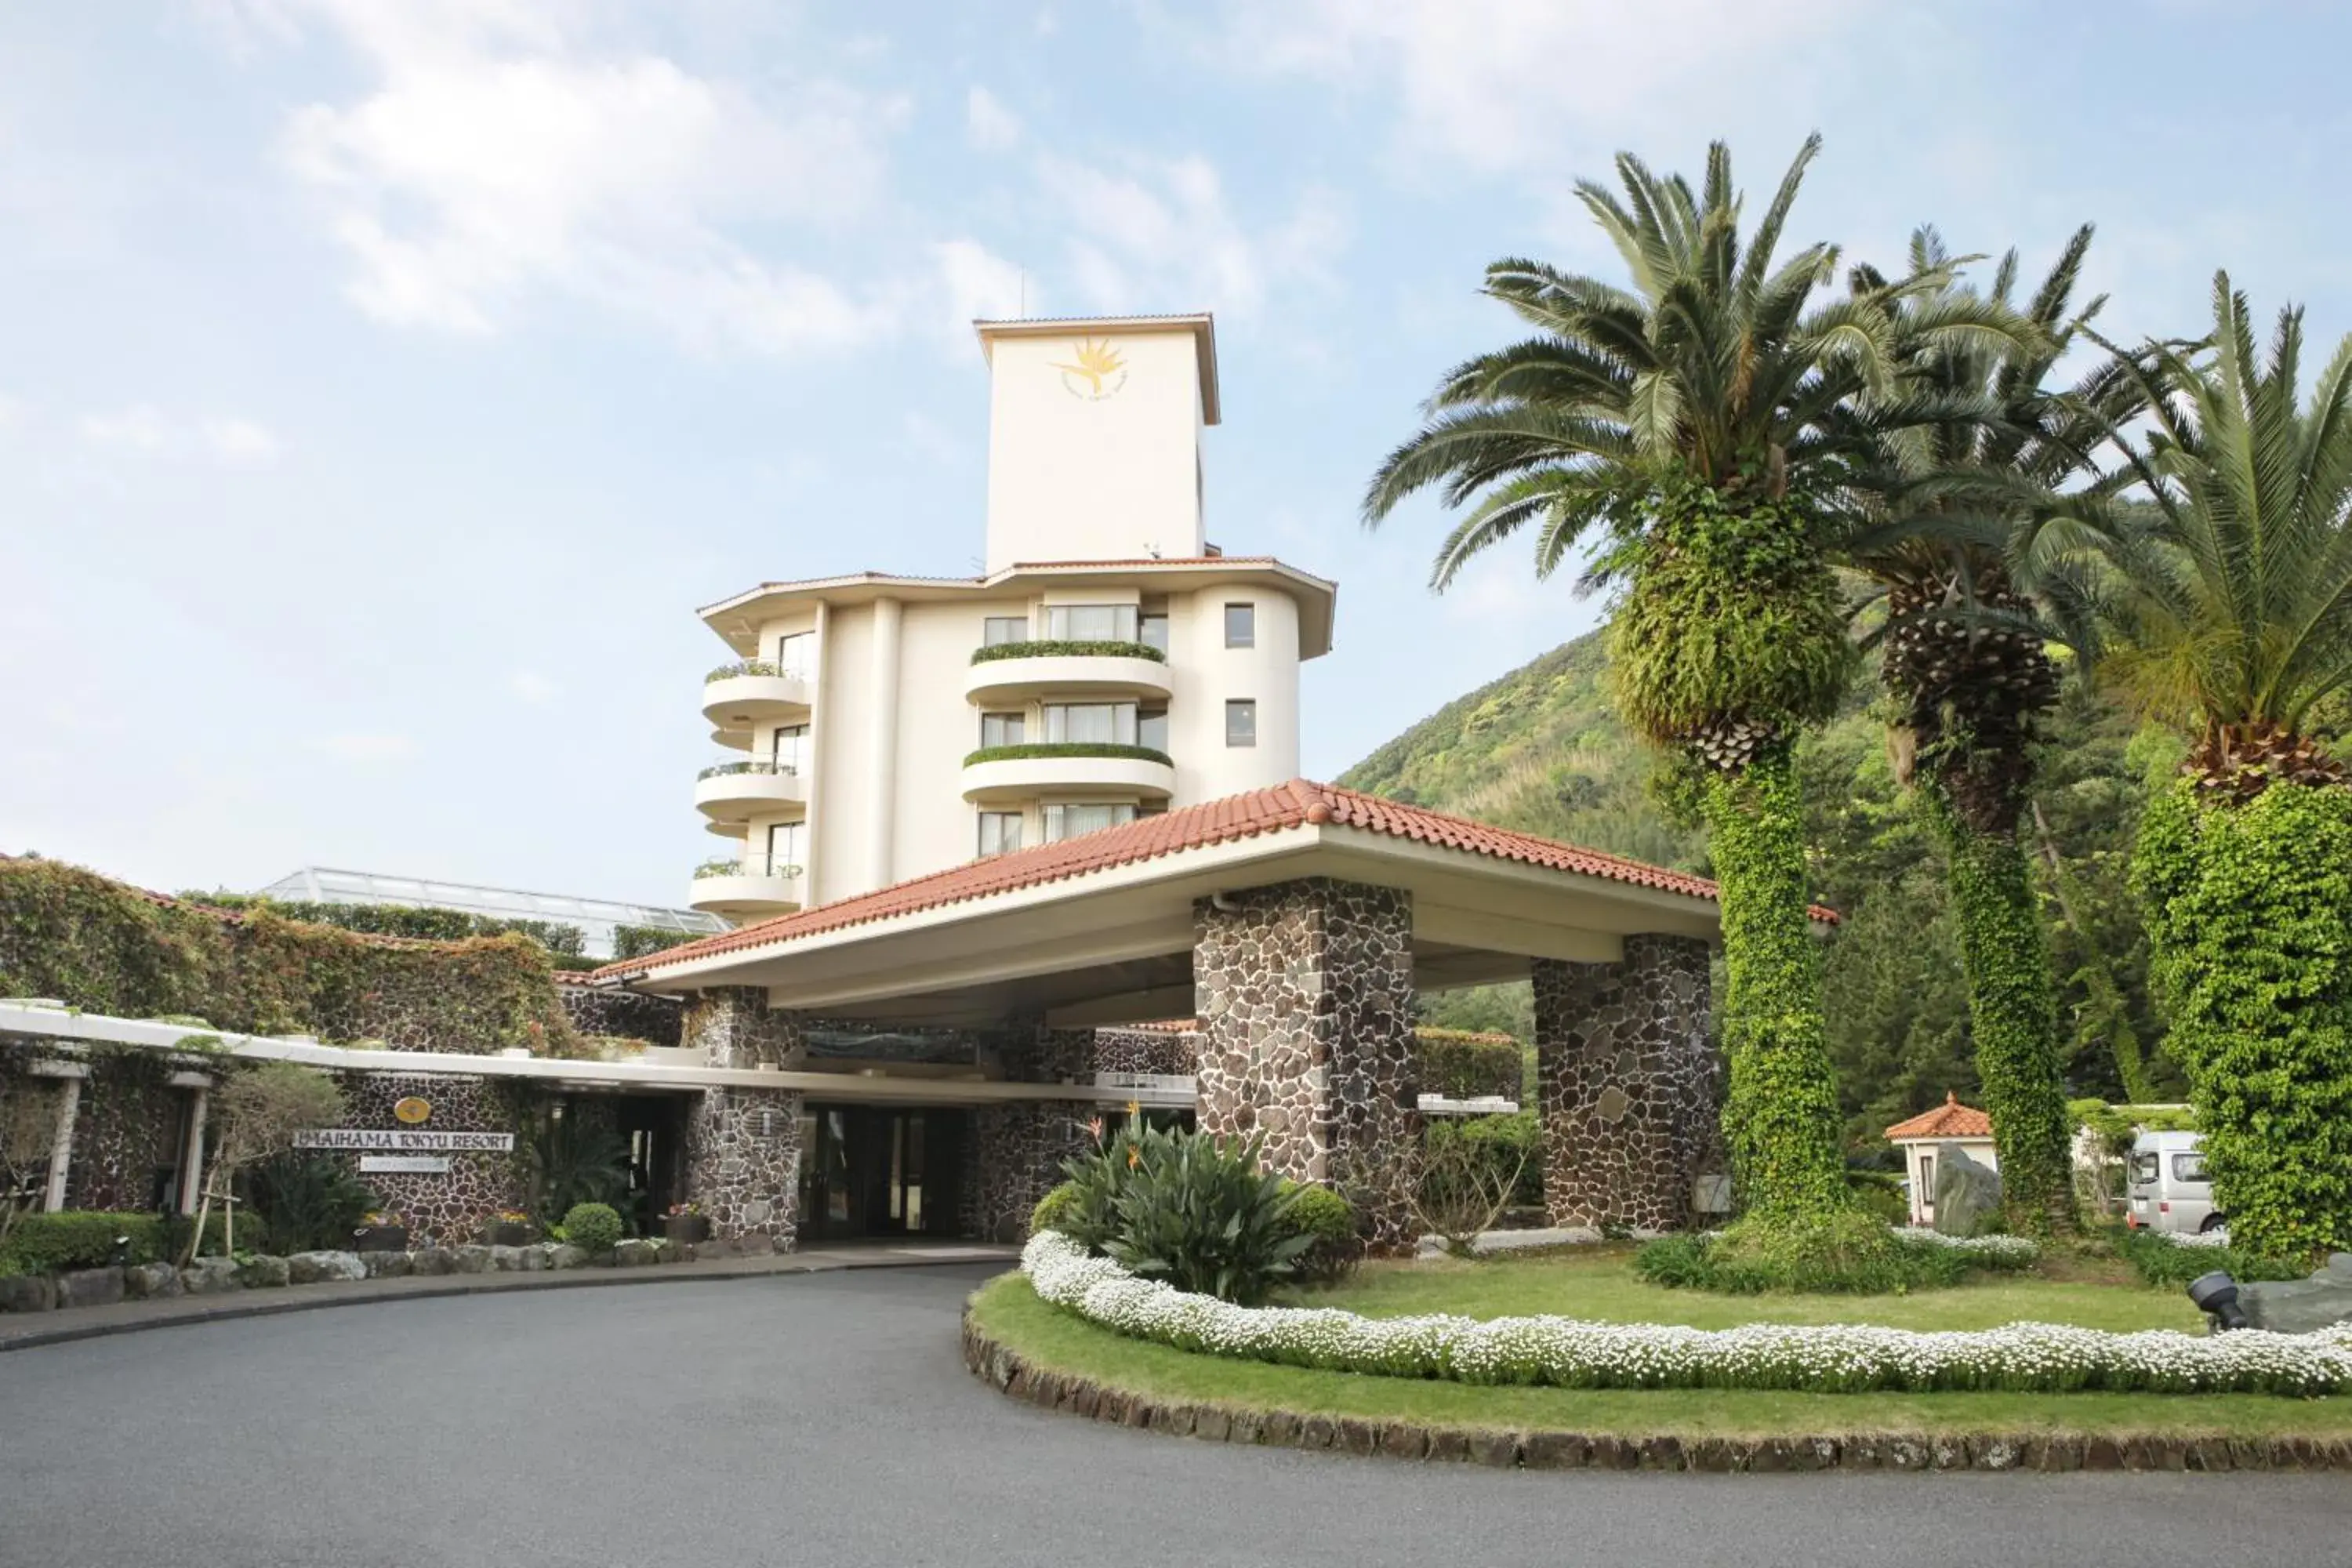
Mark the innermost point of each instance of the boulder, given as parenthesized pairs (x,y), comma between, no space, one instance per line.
(387,1265)
(517,1260)
(433,1260)
(209,1277)
(262,1273)
(26,1293)
(148,1282)
(2302,1306)
(563,1254)
(1967,1192)
(634,1253)
(90,1288)
(471,1260)
(318,1268)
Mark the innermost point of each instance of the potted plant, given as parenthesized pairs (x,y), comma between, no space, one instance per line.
(686,1223)
(381,1230)
(510,1227)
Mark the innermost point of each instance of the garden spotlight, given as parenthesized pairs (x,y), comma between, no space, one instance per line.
(2216,1295)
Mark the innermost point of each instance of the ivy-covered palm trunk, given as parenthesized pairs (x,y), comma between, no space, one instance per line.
(2250,919)
(1780,1119)
(2013,1020)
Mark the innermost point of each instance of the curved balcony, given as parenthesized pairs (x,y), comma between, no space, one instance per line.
(728,889)
(735,697)
(1020,773)
(731,792)
(1015,672)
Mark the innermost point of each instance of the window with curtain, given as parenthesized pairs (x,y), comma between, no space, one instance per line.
(1090,623)
(796,654)
(999,832)
(1069,821)
(1090,723)
(999,629)
(1004,728)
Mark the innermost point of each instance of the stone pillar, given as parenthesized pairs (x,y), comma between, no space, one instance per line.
(1305,996)
(1016,1150)
(743,1163)
(743,1145)
(1629,1084)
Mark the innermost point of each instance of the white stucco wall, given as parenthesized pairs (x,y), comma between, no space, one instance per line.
(1208,674)
(1076,477)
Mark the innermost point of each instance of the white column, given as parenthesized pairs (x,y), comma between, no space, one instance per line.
(192,1170)
(61,1150)
(812,769)
(882,692)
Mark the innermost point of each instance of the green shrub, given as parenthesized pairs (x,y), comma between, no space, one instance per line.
(2159,1261)
(84,1238)
(595,1228)
(1044,647)
(1329,1219)
(1844,1253)
(1032,749)
(1879,1192)
(644,942)
(1197,1212)
(1511,1147)
(1462,1064)
(399,920)
(1053,1210)
(306,1203)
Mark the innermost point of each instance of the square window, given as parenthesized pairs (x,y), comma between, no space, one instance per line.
(1241,722)
(997,630)
(1241,625)
(1004,728)
(1151,727)
(999,832)
(1154,630)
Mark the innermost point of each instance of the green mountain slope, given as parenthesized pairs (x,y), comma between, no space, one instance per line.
(1541,750)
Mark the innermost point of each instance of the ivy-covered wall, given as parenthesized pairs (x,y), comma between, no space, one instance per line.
(399,920)
(79,938)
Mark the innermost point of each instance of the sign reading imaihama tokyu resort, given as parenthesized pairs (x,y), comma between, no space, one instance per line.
(405,1139)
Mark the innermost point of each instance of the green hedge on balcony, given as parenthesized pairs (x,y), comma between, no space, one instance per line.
(1067,748)
(1067,650)
(754,667)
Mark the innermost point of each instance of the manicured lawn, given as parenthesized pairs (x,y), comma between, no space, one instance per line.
(1598,1284)
(1048,1337)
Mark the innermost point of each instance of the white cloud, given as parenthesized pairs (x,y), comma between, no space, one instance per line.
(1159,234)
(1495,83)
(362,747)
(143,430)
(11,409)
(979,285)
(503,151)
(533,687)
(992,127)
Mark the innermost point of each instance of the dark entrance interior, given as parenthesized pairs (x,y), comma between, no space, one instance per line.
(653,1129)
(871,1171)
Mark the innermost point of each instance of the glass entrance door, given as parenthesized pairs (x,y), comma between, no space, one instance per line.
(871,1171)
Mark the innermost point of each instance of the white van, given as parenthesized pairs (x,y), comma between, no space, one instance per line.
(2168,1187)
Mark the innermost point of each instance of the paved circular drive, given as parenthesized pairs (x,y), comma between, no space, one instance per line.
(825,1420)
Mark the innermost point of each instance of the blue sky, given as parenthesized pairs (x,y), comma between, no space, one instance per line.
(383,382)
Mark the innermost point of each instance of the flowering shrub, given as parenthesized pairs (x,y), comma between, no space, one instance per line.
(1563,1353)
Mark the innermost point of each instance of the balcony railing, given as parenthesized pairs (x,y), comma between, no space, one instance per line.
(737,868)
(1067,648)
(756,666)
(1049,749)
(751,765)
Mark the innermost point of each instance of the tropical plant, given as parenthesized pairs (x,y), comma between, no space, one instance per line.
(568,1162)
(2227,612)
(1190,1208)
(256,1114)
(1971,611)
(1705,421)
(307,1202)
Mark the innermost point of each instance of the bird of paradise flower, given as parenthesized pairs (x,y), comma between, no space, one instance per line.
(1097,360)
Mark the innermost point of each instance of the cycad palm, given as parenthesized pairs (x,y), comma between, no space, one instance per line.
(1705,418)
(1971,605)
(2231,617)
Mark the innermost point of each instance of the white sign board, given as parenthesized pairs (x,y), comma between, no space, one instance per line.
(415,1164)
(404,1140)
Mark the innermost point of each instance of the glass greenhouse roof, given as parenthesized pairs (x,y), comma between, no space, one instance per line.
(594,917)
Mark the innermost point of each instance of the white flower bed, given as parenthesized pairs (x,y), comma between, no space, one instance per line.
(1564,1353)
(2014,1249)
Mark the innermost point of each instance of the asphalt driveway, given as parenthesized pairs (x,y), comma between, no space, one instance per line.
(826,1420)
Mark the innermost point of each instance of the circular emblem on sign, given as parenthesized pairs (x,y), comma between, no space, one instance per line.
(413,1109)
(1100,370)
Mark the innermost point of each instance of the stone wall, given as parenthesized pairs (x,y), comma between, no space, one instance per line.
(1629,1084)
(733,1026)
(1015,1157)
(443,1209)
(1173,1051)
(743,1163)
(1304,997)
(608,1010)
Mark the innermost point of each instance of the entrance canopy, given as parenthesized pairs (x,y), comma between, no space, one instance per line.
(1100,929)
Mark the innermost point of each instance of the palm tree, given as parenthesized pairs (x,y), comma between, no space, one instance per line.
(1704,420)
(1972,602)
(2228,614)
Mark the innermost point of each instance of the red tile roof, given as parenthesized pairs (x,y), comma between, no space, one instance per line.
(1301,802)
(1949,1119)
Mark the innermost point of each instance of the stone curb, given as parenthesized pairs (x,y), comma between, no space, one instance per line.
(1004,1369)
(315,1297)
